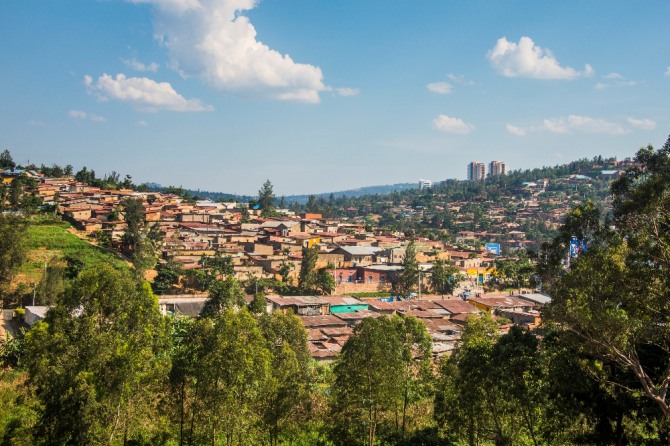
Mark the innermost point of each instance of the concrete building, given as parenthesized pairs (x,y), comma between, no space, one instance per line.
(425,184)
(497,168)
(476,171)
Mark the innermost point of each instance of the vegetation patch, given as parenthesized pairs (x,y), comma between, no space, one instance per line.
(52,241)
(372,294)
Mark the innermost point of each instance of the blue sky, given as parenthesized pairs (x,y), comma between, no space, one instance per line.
(322,96)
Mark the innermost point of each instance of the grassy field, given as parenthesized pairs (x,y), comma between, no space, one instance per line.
(52,241)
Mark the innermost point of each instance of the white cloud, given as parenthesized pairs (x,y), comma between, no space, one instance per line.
(643,124)
(617,80)
(213,40)
(139,66)
(555,125)
(144,93)
(448,124)
(142,123)
(459,79)
(175,6)
(613,75)
(346,91)
(440,87)
(78,114)
(583,124)
(514,130)
(525,59)
(667,71)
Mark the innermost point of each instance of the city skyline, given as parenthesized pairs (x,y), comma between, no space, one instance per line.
(221,95)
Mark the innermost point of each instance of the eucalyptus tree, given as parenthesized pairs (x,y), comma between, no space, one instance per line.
(226,294)
(285,399)
(307,280)
(384,371)
(233,368)
(444,278)
(96,363)
(266,199)
(614,298)
(408,278)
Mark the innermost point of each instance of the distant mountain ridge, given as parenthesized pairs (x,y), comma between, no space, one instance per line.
(301,199)
(357,192)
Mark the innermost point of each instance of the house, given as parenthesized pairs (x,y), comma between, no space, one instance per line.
(344,304)
(357,255)
(530,318)
(283,228)
(457,306)
(35,314)
(300,305)
(357,316)
(501,302)
(325,352)
(396,255)
(349,275)
(323,322)
(190,306)
(390,308)
(384,274)
(536,298)
(258,248)
(78,213)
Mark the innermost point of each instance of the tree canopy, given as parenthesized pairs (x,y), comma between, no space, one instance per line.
(95,360)
(408,278)
(614,297)
(266,199)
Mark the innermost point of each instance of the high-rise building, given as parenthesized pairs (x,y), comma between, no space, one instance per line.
(497,168)
(425,184)
(476,171)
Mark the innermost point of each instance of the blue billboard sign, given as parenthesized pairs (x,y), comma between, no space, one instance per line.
(493,247)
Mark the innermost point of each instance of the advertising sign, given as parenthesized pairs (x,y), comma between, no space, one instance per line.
(493,247)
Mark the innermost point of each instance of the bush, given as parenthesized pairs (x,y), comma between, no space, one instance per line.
(371,294)
(20,313)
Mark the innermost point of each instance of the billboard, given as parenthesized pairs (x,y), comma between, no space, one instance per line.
(493,247)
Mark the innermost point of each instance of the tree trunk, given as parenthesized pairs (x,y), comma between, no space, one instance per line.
(619,429)
(373,427)
(404,410)
(370,428)
(181,412)
(190,440)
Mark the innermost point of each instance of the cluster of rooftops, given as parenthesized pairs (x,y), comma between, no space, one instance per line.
(330,320)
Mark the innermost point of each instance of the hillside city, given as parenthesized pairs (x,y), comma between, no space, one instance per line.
(455,257)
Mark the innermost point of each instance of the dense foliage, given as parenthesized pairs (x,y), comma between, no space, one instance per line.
(106,367)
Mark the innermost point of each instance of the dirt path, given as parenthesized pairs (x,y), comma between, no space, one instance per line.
(10,327)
